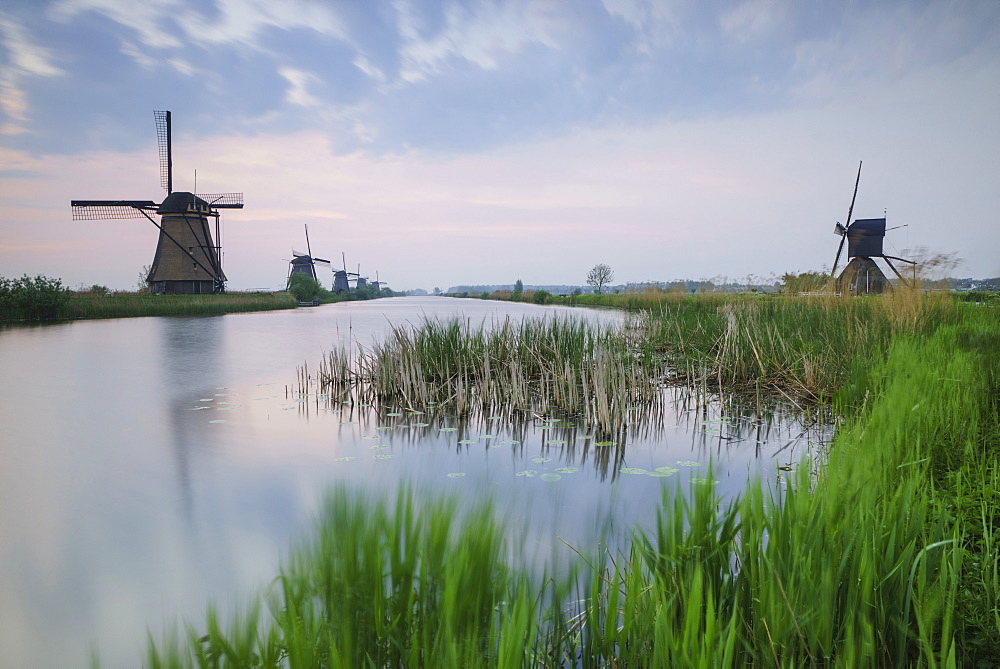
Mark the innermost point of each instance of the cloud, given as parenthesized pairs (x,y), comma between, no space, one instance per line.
(25,59)
(297,93)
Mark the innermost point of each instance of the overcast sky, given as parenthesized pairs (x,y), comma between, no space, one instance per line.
(445,143)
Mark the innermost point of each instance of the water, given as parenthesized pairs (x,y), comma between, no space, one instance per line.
(151,465)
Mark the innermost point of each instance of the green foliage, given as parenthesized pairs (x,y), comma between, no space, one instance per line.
(124,305)
(518,290)
(303,287)
(37,298)
(541,297)
(99,290)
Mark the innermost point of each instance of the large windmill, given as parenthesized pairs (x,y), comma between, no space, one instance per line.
(864,242)
(305,263)
(186,260)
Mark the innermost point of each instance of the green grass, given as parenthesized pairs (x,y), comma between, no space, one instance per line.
(887,557)
(124,305)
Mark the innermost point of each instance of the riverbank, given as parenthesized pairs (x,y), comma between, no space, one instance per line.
(884,554)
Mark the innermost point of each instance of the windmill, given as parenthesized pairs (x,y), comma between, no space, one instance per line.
(362,281)
(187,260)
(864,242)
(305,263)
(341,277)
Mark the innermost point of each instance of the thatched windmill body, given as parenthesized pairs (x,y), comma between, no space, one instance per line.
(864,238)
(187,260)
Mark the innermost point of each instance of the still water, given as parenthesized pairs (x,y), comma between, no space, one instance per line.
(149,466)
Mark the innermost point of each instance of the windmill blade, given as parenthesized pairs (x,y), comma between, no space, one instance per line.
(308,245)
(111,210)
(222,200)
(850,210)
(840,248)
(163,141)
(321,261)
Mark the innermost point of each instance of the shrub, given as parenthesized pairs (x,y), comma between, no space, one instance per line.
(304,287)
(32,298)
(541,297)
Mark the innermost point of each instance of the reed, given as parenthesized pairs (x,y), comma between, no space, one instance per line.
(533,366)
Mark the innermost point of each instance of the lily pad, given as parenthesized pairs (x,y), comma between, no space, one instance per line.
(557,442)
(348,422)
(703,481)
(383,456)
(217,420)
(487,436)
(633,470)
(378,447)
(510,441)
(550,477)
(606,443)
(527,472)
(421,424)
(541,460)
(449,429)
(371,436)
(567,470)
(688,463)
(346,458)
(456,475)
(394,414)
(466,441)
(667,471)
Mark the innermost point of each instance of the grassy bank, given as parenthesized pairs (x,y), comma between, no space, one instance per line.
(888,558)
(124,305)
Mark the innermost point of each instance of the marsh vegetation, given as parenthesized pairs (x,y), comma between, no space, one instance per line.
(884,552)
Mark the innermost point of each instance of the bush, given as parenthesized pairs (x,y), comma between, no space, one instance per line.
(541,297)
(303,287)
(32,298)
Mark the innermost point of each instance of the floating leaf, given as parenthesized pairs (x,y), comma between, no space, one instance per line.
(633,470)
(199,408)
(416,413)
(688,463)
(494,418)
(510,441)
(550,477)
(541,460)
(348,422)
(207,399)
(217,420)
(371,436)
(605,443)
(394,414)
(347,458)
(527,472)
(557,442)
(378,447)
(466,441)
(658,474)
(421,424)
(703,481)
(487,436)
(568,470)
(449,429)
(383,456)
(384,427)
(667,471)
(456,475)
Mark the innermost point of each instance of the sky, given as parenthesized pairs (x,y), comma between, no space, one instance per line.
(481,142)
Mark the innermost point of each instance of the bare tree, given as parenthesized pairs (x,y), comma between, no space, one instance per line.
(600,275)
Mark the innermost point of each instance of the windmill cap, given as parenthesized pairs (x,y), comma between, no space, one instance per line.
(183,203)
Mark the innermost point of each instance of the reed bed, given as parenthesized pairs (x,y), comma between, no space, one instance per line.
(134,304)
(888,558)
(532,366)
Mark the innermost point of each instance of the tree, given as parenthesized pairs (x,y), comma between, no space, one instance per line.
(518,290)
(304,287)
(600,275)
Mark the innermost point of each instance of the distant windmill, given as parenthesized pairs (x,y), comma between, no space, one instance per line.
(341,277)
(186,260)
(305,263)
(864,241)
(362,280)
(376,284)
